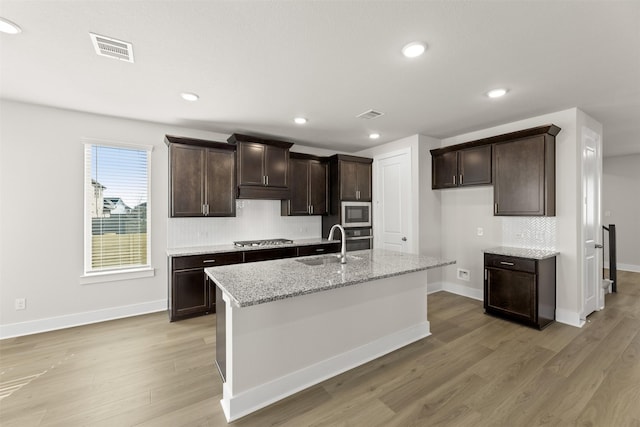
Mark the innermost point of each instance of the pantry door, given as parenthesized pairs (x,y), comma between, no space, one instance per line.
(393,204)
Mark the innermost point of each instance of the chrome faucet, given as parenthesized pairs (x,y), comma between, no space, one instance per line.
(343,248)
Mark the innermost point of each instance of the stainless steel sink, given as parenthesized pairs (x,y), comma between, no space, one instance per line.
(325,260)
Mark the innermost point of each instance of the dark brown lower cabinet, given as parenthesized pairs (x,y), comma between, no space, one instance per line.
(520,289)
(192,294)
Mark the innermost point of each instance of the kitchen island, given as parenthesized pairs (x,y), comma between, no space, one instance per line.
(285,325)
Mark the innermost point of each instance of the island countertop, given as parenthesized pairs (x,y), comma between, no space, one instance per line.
(261,282)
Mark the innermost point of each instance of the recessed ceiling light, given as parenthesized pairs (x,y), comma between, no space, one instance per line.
(374,135)
(9,27)
(497,93)
(300,120)
(414,49)
(188,96)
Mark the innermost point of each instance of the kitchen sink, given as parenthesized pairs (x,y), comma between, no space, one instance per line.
(326,259)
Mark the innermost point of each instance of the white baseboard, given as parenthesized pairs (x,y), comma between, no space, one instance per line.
(434,287)
(571,318)
(265,394)
(625,267)
(465,291)
(77,319)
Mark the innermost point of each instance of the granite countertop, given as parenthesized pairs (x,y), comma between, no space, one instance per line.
(522,252)
(262,282)
(215,249)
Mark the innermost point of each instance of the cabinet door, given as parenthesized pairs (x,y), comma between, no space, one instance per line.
(298,202)
(444,170)
(318,187)
(187,169)
(512,293)
(190,294)
(250,163)
(348,180)
(220,183)
(364,181)
(276,165)
(474,166)
(519,177)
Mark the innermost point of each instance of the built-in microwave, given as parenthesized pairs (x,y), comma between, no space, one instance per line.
(356,214)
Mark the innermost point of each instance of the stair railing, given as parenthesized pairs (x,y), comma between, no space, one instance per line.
(613,267)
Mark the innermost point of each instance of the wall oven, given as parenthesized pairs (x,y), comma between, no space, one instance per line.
(359,238)
(356,214)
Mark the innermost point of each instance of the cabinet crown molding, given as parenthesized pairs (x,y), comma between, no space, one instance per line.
(549,129)
(238,137)
(171,139)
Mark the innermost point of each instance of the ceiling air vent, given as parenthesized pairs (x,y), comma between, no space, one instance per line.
(112,48)
(370,114)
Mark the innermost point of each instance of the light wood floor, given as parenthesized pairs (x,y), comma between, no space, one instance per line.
(474,370)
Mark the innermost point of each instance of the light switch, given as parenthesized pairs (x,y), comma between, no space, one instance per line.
(480,231)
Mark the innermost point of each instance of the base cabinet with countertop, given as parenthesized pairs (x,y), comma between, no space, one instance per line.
(520,288)
(192,294)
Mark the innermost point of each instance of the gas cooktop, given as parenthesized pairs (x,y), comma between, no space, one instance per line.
(266,242)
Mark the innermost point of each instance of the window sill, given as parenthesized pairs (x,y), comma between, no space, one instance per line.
(112,276)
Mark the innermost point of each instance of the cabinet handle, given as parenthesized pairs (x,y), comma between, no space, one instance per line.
(460,179)
(454,180)
(485,274)
(311,209)
(507,263)
(495,208)
(207,209)
(320,250)
(207,261)
(267,179)
(358,194)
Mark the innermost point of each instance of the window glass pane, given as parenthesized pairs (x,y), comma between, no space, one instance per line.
(118,180)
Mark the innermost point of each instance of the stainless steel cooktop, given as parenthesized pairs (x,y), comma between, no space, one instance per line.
(266,242)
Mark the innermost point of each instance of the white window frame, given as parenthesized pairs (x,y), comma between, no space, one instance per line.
(98,276)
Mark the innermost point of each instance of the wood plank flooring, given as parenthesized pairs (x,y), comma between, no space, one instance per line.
(474,370)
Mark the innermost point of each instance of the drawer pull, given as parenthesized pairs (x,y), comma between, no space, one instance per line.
(320,250)
(209,261)
(506,263)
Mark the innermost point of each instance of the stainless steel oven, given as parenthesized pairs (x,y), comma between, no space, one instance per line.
(359,238)
(356,214)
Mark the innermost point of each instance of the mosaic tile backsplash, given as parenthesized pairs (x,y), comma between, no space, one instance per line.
(255,219)
(529,232)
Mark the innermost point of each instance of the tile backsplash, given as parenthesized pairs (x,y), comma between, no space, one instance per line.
(529,232)
(255,219)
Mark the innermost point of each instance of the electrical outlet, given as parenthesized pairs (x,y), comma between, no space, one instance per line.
(20,303)
(464,274)
(480,231)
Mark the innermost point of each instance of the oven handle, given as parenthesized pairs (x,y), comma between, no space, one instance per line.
(360,238)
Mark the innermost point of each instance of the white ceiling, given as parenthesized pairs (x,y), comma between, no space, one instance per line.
(257,64)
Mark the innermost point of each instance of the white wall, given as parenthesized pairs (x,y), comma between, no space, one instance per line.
(621,188)
(463,210)
(41,218)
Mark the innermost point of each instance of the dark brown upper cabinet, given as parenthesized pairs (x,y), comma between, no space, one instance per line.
(201,178)
(351,177)
(262,168)
(524,177)
(460,168)
(521,165)
(308,186)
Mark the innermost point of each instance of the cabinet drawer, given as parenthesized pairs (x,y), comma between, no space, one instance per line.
(211,260)
(510,263)
(267,254)
(318,249)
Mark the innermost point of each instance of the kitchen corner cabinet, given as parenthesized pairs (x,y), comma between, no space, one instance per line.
(262,168)
(351,177)
(460,168)
(308,187)
(201,178)
(524,177)
(520,289)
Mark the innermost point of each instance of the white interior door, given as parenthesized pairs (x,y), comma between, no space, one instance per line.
(393,202)
(593,298)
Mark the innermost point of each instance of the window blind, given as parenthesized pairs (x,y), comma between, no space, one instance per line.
(116,208)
